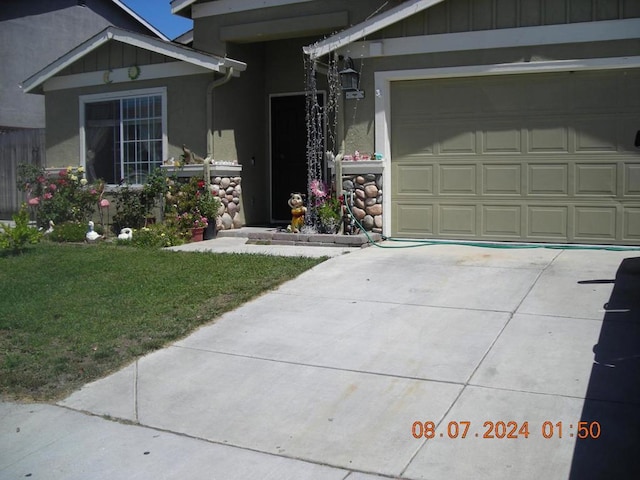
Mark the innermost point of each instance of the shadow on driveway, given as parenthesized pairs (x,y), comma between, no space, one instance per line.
(613,394)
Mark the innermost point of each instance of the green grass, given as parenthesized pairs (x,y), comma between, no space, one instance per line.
(70,314)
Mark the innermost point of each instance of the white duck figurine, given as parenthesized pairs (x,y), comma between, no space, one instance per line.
(91,235)
(125,234)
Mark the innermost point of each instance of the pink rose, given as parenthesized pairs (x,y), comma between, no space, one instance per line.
(53,187)
(35,201)
(48,196)
(104,203)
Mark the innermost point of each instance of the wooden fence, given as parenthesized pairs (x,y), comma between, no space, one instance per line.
(16,147)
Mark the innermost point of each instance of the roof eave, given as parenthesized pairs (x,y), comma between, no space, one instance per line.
(178,7)
(367,27)
(35,83)
(141,20)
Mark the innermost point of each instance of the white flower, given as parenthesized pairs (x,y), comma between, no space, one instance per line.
(80,170)
(83,181)
(73,178)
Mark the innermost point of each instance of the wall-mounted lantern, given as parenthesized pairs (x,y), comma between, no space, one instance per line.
(349,78)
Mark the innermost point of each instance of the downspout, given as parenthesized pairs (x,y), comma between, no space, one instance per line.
(210,87)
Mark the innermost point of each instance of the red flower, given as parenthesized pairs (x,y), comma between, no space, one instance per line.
(62,173)
(201,184)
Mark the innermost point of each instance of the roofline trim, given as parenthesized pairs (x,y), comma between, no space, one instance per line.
(369,26)
(141,20)
(173,50)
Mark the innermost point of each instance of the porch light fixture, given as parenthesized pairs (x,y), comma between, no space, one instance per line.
(349,78)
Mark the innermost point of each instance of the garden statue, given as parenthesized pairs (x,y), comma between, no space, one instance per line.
(297,212)
(191,157)
(125,234)
(92,235)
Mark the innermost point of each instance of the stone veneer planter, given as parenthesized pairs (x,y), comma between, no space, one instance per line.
(363,180)
(225,180)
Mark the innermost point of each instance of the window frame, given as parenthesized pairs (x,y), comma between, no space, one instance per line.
(120,95)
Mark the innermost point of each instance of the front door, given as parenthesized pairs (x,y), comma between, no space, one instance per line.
(288,152)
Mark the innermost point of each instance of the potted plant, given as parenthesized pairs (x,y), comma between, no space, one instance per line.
(208,205)
(328,208)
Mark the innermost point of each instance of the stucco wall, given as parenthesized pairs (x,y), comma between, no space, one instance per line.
(186,116)
(34,34)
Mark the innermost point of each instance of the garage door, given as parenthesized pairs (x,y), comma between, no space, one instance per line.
(542,158)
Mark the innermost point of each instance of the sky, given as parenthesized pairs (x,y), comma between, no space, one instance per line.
(158,13)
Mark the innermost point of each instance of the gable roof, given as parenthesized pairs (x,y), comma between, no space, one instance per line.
(169,49)
(369,26)
(139,19)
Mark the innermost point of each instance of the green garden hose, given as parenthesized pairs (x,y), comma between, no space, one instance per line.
(500,245)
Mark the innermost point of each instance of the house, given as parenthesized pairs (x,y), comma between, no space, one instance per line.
(500,120)
(32,35)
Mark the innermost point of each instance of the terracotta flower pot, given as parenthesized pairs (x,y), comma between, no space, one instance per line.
(197,234)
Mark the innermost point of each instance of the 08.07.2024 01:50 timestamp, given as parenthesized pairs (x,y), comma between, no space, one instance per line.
(509,429)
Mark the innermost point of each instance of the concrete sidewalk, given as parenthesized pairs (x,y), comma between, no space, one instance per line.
(326,377)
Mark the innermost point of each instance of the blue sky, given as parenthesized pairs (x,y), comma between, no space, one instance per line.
(158,14)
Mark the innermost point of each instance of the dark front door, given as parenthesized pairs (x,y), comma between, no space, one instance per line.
(288,152)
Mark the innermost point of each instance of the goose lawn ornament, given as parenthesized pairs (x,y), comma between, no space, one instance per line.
(91,235)
(50,229)
(125,234)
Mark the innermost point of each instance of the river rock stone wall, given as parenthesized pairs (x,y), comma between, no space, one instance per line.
(229,191)
(367,199)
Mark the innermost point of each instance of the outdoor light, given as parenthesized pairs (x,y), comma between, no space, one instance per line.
(349,78)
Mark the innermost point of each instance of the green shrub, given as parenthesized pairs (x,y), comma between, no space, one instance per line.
(69,232)
(15,239)
(59,197)
(134,204)
(158,235)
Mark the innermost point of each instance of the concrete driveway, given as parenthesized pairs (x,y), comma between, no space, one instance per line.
(497,359)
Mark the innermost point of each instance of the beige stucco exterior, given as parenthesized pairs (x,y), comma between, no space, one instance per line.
(270,41)
(186,99)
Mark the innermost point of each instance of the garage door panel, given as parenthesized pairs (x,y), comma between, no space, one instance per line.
(457,138)
(546,222)
(546,94)
(630,93)
(629,128)
(457,220)
(596,179)
(499,179)
(413,179)
(631,229)
(497,98)
(598,135)
(631,179)
(500,138)
(414,139)
(548,179)
(502,221)
(583,88)
(458,179)
(548,137)
(414,219)
(595,223)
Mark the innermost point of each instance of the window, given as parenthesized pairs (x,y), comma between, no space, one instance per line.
(123,137)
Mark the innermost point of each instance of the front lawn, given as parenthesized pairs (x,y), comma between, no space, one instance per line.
(70,314)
